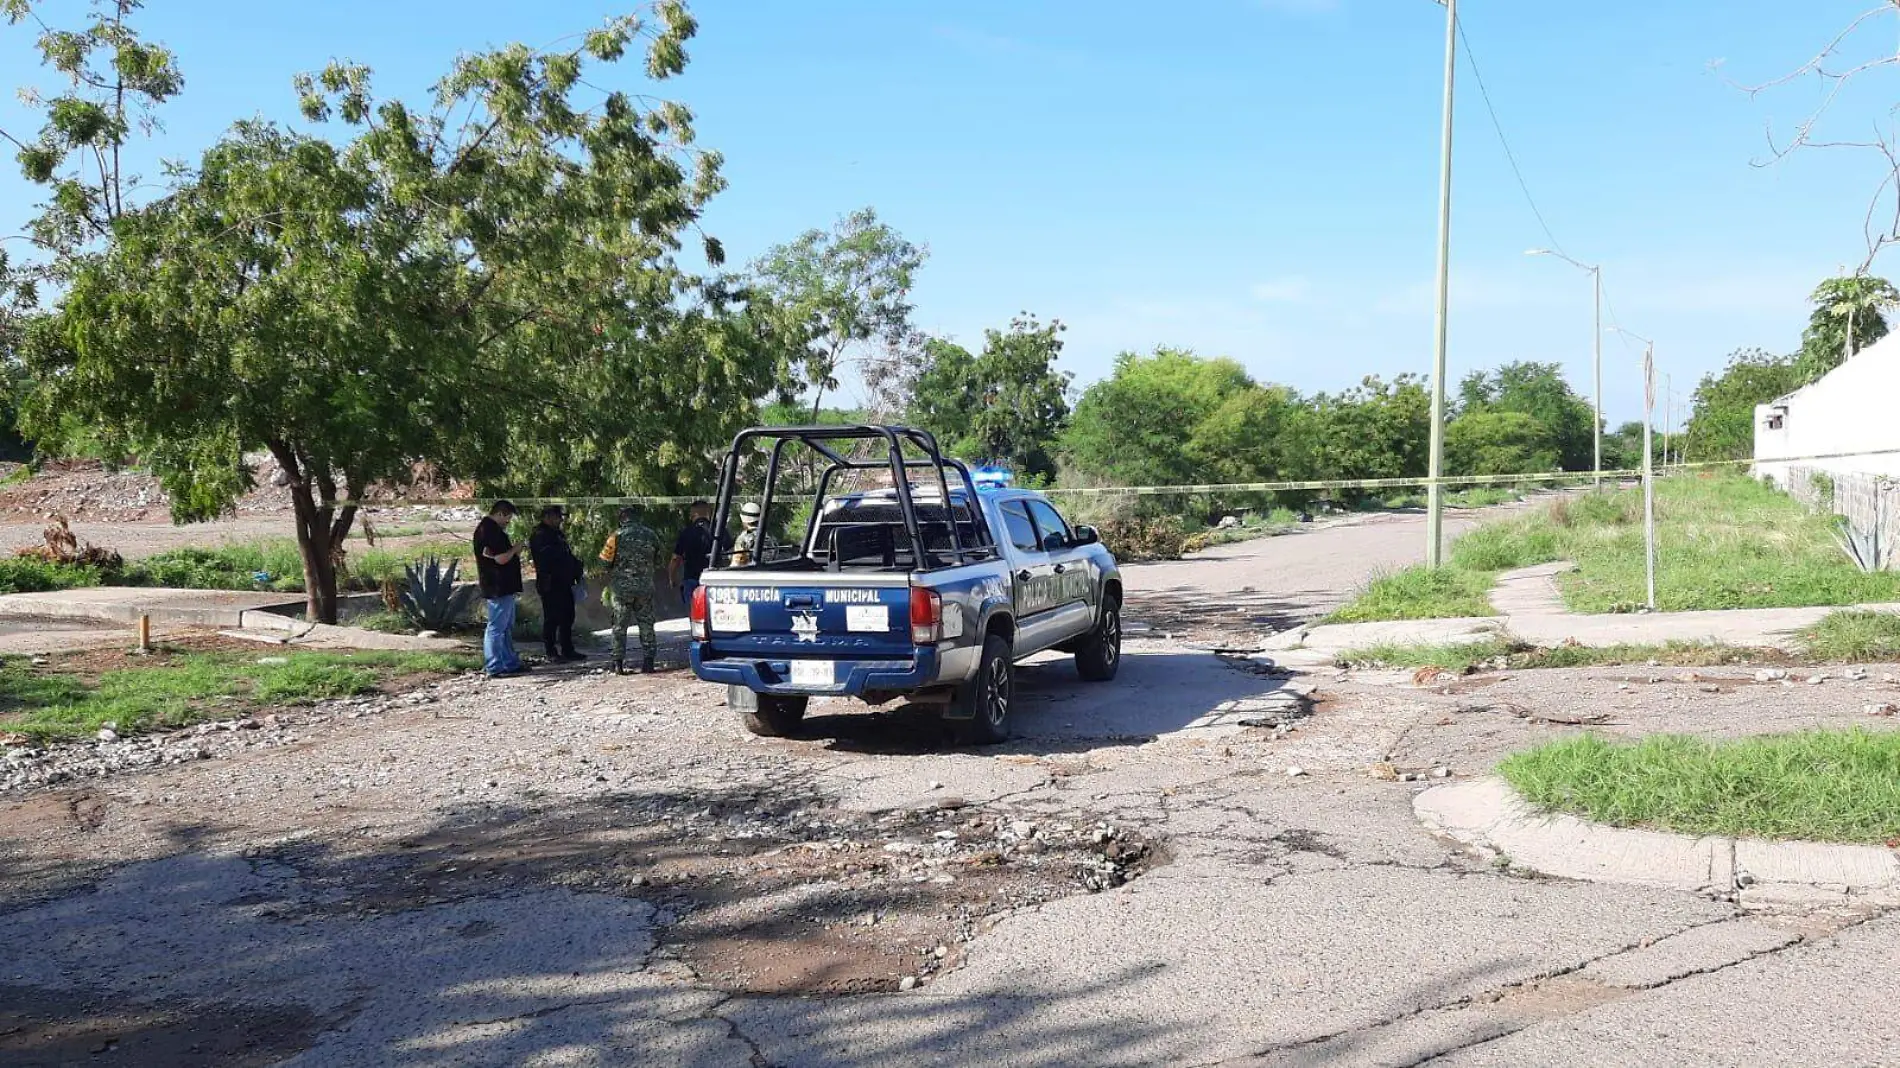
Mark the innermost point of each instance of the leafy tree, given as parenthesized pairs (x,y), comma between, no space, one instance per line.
(1487,442)
(847,291)
(1007,404)
(487,286)
(1135,427)
(1537,390)
(1849,315)
(1377,429)
(1722,415)
(1244,439)
(115,82)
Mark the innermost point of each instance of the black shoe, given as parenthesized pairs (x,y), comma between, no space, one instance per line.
(646,664)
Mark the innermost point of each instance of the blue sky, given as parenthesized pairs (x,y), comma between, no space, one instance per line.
(1250,178)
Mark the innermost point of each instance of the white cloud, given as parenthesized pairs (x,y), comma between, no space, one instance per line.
(1286,289)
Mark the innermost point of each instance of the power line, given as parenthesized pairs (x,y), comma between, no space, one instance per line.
(1522,185)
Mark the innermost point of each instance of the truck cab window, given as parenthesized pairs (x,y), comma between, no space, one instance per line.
(1048,522)
(1022,533)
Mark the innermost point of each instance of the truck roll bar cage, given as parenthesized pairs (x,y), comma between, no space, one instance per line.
(817,438)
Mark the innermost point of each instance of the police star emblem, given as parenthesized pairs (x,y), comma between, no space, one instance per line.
(805,626)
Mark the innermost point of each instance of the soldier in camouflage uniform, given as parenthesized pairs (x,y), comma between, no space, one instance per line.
(747,548)
(632,555)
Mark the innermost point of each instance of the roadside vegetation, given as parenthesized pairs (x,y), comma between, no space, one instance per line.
(265,565)
(68,697)
(1723,541)
(1853,637)
(1503,653)
(1821,785)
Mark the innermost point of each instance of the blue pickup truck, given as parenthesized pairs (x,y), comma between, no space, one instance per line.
(881,570)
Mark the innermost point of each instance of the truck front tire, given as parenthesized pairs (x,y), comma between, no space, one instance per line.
(982,705)
(773,715)
(1101,652)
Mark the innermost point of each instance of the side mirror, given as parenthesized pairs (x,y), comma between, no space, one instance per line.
(1054,540)
(1087,536)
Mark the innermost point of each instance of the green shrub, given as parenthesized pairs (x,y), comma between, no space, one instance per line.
(194,568)
(21,574)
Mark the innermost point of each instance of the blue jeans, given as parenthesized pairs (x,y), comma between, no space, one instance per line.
(686,592)
(498,642)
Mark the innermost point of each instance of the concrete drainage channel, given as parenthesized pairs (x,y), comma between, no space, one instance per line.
(1489,816)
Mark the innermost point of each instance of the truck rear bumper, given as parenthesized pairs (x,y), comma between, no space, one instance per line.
(851,678)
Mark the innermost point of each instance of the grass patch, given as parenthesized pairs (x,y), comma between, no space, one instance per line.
(1855,637)
(1723,541)
(1419,593)
(176,689)
(1506,654)
(1837,786)
(237,567)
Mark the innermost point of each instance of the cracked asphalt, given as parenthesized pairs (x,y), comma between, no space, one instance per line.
(573,869)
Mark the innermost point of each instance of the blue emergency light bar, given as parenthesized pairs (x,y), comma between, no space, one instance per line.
(992,477)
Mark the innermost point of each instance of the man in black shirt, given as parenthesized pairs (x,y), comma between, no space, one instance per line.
(692,550)
(556,572)
(498,567)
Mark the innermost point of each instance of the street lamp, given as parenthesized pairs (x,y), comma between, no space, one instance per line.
(1649,482)
(1596,275)
(1434,493)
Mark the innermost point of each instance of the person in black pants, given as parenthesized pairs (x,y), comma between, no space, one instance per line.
(692,550)
(556,572)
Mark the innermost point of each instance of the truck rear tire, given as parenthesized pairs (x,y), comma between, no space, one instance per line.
(774,715)
(1101,652)
(982,705)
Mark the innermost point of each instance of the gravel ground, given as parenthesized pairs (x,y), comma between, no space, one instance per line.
(1206,861)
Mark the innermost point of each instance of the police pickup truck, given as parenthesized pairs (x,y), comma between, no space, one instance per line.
(928,584)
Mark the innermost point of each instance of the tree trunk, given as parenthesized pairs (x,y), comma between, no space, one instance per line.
(321,529)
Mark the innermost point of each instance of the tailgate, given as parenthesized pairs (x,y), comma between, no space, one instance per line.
(804,616)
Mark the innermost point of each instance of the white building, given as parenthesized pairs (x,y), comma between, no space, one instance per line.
(1854,408)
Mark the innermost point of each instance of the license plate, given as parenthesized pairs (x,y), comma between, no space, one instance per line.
(730,618)
(813,673)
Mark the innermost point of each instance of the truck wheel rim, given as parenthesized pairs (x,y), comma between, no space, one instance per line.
(1112,634)
(996,692)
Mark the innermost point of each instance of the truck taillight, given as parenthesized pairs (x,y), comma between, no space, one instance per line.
(926,616)
(698,613)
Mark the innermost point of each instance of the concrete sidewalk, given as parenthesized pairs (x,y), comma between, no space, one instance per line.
(125,604)
(1531,609)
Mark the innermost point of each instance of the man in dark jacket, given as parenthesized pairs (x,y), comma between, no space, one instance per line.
(691,552)
(498,566)
(556,572)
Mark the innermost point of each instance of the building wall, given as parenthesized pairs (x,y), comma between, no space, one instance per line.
(1855,408)
(1868,503)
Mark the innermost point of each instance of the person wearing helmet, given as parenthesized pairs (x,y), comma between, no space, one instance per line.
(748,544)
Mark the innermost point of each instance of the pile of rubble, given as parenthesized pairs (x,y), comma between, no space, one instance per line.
(88,490)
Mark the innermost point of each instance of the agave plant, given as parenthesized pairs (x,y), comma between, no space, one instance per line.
(431,601)
(1861,546)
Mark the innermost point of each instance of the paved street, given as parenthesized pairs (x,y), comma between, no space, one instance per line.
(1191,865)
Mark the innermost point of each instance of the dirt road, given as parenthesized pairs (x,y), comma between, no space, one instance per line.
(1189,865)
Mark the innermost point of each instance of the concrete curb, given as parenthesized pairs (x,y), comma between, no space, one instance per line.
(124,605)
(1488,814)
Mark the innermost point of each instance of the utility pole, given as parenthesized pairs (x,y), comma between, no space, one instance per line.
(1596,350)
(1649,479)
(1669,415)
(1649,476)
(1434,493)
